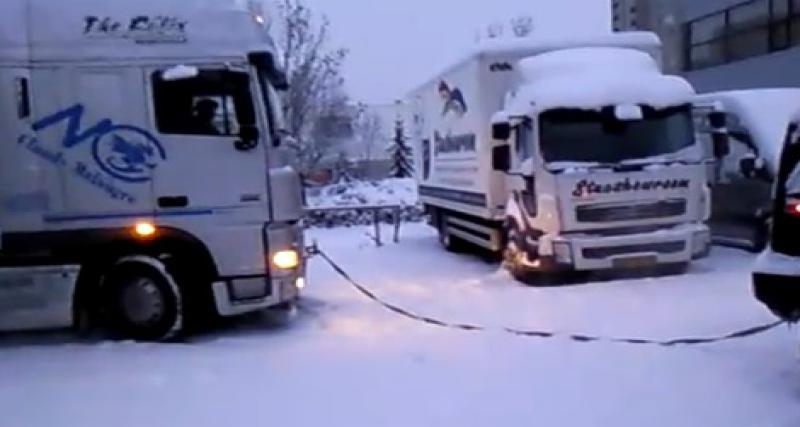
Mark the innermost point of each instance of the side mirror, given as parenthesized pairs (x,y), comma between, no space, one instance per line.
(753,167)
(501,131)
(719,133)
(748,166)
(718,120)
(501,158)
(722,146)
(248,138)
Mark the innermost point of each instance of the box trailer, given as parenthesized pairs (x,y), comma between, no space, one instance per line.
(141,185)
(564,156)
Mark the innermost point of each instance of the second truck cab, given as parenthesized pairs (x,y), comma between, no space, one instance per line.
(582,158)
(603,168)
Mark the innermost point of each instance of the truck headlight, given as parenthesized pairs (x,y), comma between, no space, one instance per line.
(286,260)
(562,251)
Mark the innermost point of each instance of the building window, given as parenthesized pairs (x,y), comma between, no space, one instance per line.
(752,28)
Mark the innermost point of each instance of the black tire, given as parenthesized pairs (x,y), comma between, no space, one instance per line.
(449,242)
(521,273)
(762,237)
(511,256)
(141,301)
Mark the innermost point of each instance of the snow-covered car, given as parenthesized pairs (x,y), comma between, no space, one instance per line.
(777,274)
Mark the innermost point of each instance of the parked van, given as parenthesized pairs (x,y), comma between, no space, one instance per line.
(742,183)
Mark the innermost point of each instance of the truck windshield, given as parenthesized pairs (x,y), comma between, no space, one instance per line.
(572,135)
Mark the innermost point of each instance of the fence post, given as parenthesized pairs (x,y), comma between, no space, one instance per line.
(397,214)
(376,217)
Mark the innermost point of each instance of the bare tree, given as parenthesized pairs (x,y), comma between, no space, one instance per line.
(522,26)
(368,130)
(316,97)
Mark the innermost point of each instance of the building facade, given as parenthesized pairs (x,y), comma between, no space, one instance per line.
(722,44)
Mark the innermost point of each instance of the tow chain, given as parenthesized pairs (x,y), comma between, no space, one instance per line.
(532,333)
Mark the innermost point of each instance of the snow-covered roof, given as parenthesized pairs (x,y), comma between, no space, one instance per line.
(59,30)
(641,40)
(514,49)
(592,78)
(765,113)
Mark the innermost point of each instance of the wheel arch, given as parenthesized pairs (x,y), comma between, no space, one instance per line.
(121,245)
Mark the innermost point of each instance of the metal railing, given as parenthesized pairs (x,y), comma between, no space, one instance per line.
(376,212)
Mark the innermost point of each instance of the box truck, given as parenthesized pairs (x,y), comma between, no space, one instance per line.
(564,156)
(141,181)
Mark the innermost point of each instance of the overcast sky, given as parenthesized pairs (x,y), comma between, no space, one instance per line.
(396,44)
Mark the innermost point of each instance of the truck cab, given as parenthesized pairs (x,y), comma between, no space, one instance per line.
(743,179)
(143,160)
(602,166)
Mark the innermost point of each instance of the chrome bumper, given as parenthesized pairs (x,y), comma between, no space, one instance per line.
(675,245)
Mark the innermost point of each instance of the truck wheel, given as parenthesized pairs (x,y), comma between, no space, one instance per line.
(449,242)
(762,237)
(142,301)
(512,257)
(513,261)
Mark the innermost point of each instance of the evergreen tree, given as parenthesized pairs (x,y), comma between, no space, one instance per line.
(400,153)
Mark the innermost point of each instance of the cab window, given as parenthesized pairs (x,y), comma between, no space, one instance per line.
(215,103)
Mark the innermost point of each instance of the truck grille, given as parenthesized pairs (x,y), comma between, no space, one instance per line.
(662,209)
(612,251)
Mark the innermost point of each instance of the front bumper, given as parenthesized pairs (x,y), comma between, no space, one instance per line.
(240,295)
(230,296)
(776,283)
(676,245)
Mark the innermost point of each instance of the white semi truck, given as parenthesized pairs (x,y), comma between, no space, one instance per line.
(141,181)
(565,156)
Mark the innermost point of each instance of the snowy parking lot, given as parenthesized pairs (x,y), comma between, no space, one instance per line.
(345,360)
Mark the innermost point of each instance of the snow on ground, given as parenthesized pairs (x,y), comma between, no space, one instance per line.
(365,193)
(346,361)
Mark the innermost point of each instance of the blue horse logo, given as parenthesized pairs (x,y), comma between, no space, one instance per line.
(128,153)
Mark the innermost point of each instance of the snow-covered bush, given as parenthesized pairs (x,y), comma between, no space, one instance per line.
(362,194)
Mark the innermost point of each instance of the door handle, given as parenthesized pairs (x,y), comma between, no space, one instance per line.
(173,202)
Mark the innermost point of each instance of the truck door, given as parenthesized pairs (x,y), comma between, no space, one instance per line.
(208,126)
(88,141)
